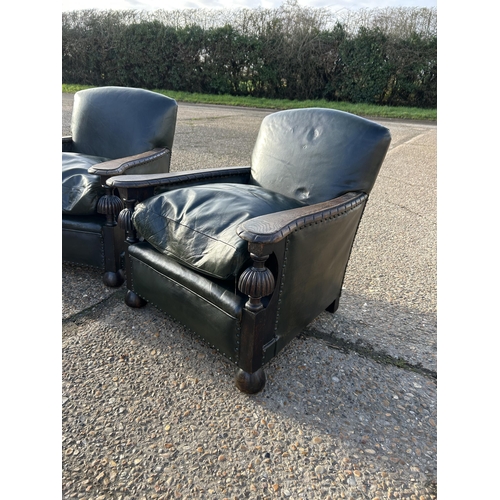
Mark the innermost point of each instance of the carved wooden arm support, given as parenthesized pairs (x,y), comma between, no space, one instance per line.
(265,232)
(125,221)
(256,281)
(110,205)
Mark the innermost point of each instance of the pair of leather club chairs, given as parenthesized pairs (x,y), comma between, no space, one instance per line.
(246,257)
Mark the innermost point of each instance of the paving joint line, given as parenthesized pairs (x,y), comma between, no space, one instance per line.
(93,308)
(331,340)
(367,351)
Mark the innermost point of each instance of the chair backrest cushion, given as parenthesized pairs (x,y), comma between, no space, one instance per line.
(119,121)
(317,154)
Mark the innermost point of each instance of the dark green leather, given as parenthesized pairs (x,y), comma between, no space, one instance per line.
(323,161)
(197,225)
(91,224)
(315,154)
(115,131)
(83,241)
(202,304)
(316,260)
(108,123)
(80,190)
(117,121)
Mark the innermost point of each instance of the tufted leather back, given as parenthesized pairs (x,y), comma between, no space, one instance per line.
(317,154)
(115,122)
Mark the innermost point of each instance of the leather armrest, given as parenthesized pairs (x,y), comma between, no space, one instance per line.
(272,228)
(226,174)
(132,163)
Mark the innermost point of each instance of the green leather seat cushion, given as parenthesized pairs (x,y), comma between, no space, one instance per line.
(197,225)
(80,190)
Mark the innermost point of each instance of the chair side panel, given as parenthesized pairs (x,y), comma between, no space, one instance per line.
(316,259)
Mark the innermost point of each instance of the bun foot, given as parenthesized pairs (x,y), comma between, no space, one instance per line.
(133,300)
(250,383)
(112,279)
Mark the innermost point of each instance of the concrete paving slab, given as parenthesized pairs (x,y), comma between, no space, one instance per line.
(349,410)
(148,409)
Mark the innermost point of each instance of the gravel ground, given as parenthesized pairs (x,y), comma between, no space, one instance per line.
(349,408)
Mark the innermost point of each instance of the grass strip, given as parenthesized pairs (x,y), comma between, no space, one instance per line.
(371,110)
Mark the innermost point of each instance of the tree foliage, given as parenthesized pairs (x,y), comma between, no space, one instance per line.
(379,56)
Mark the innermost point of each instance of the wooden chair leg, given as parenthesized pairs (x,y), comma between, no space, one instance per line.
(333,306)
(250,383)
(113,279)
(110,205)
(133,300)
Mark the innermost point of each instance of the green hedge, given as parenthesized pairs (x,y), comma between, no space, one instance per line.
(287,53)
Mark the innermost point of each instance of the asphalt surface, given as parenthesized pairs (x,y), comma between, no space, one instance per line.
(359,385)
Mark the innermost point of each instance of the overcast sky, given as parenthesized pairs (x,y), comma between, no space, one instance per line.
(68,5)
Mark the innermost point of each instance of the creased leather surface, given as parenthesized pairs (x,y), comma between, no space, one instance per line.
(222,293)
(197,225)
(110,123)
(315,154)
(80,190)
(116,121)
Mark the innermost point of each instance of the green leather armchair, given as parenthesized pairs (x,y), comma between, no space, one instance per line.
(115,131)
(246,257)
